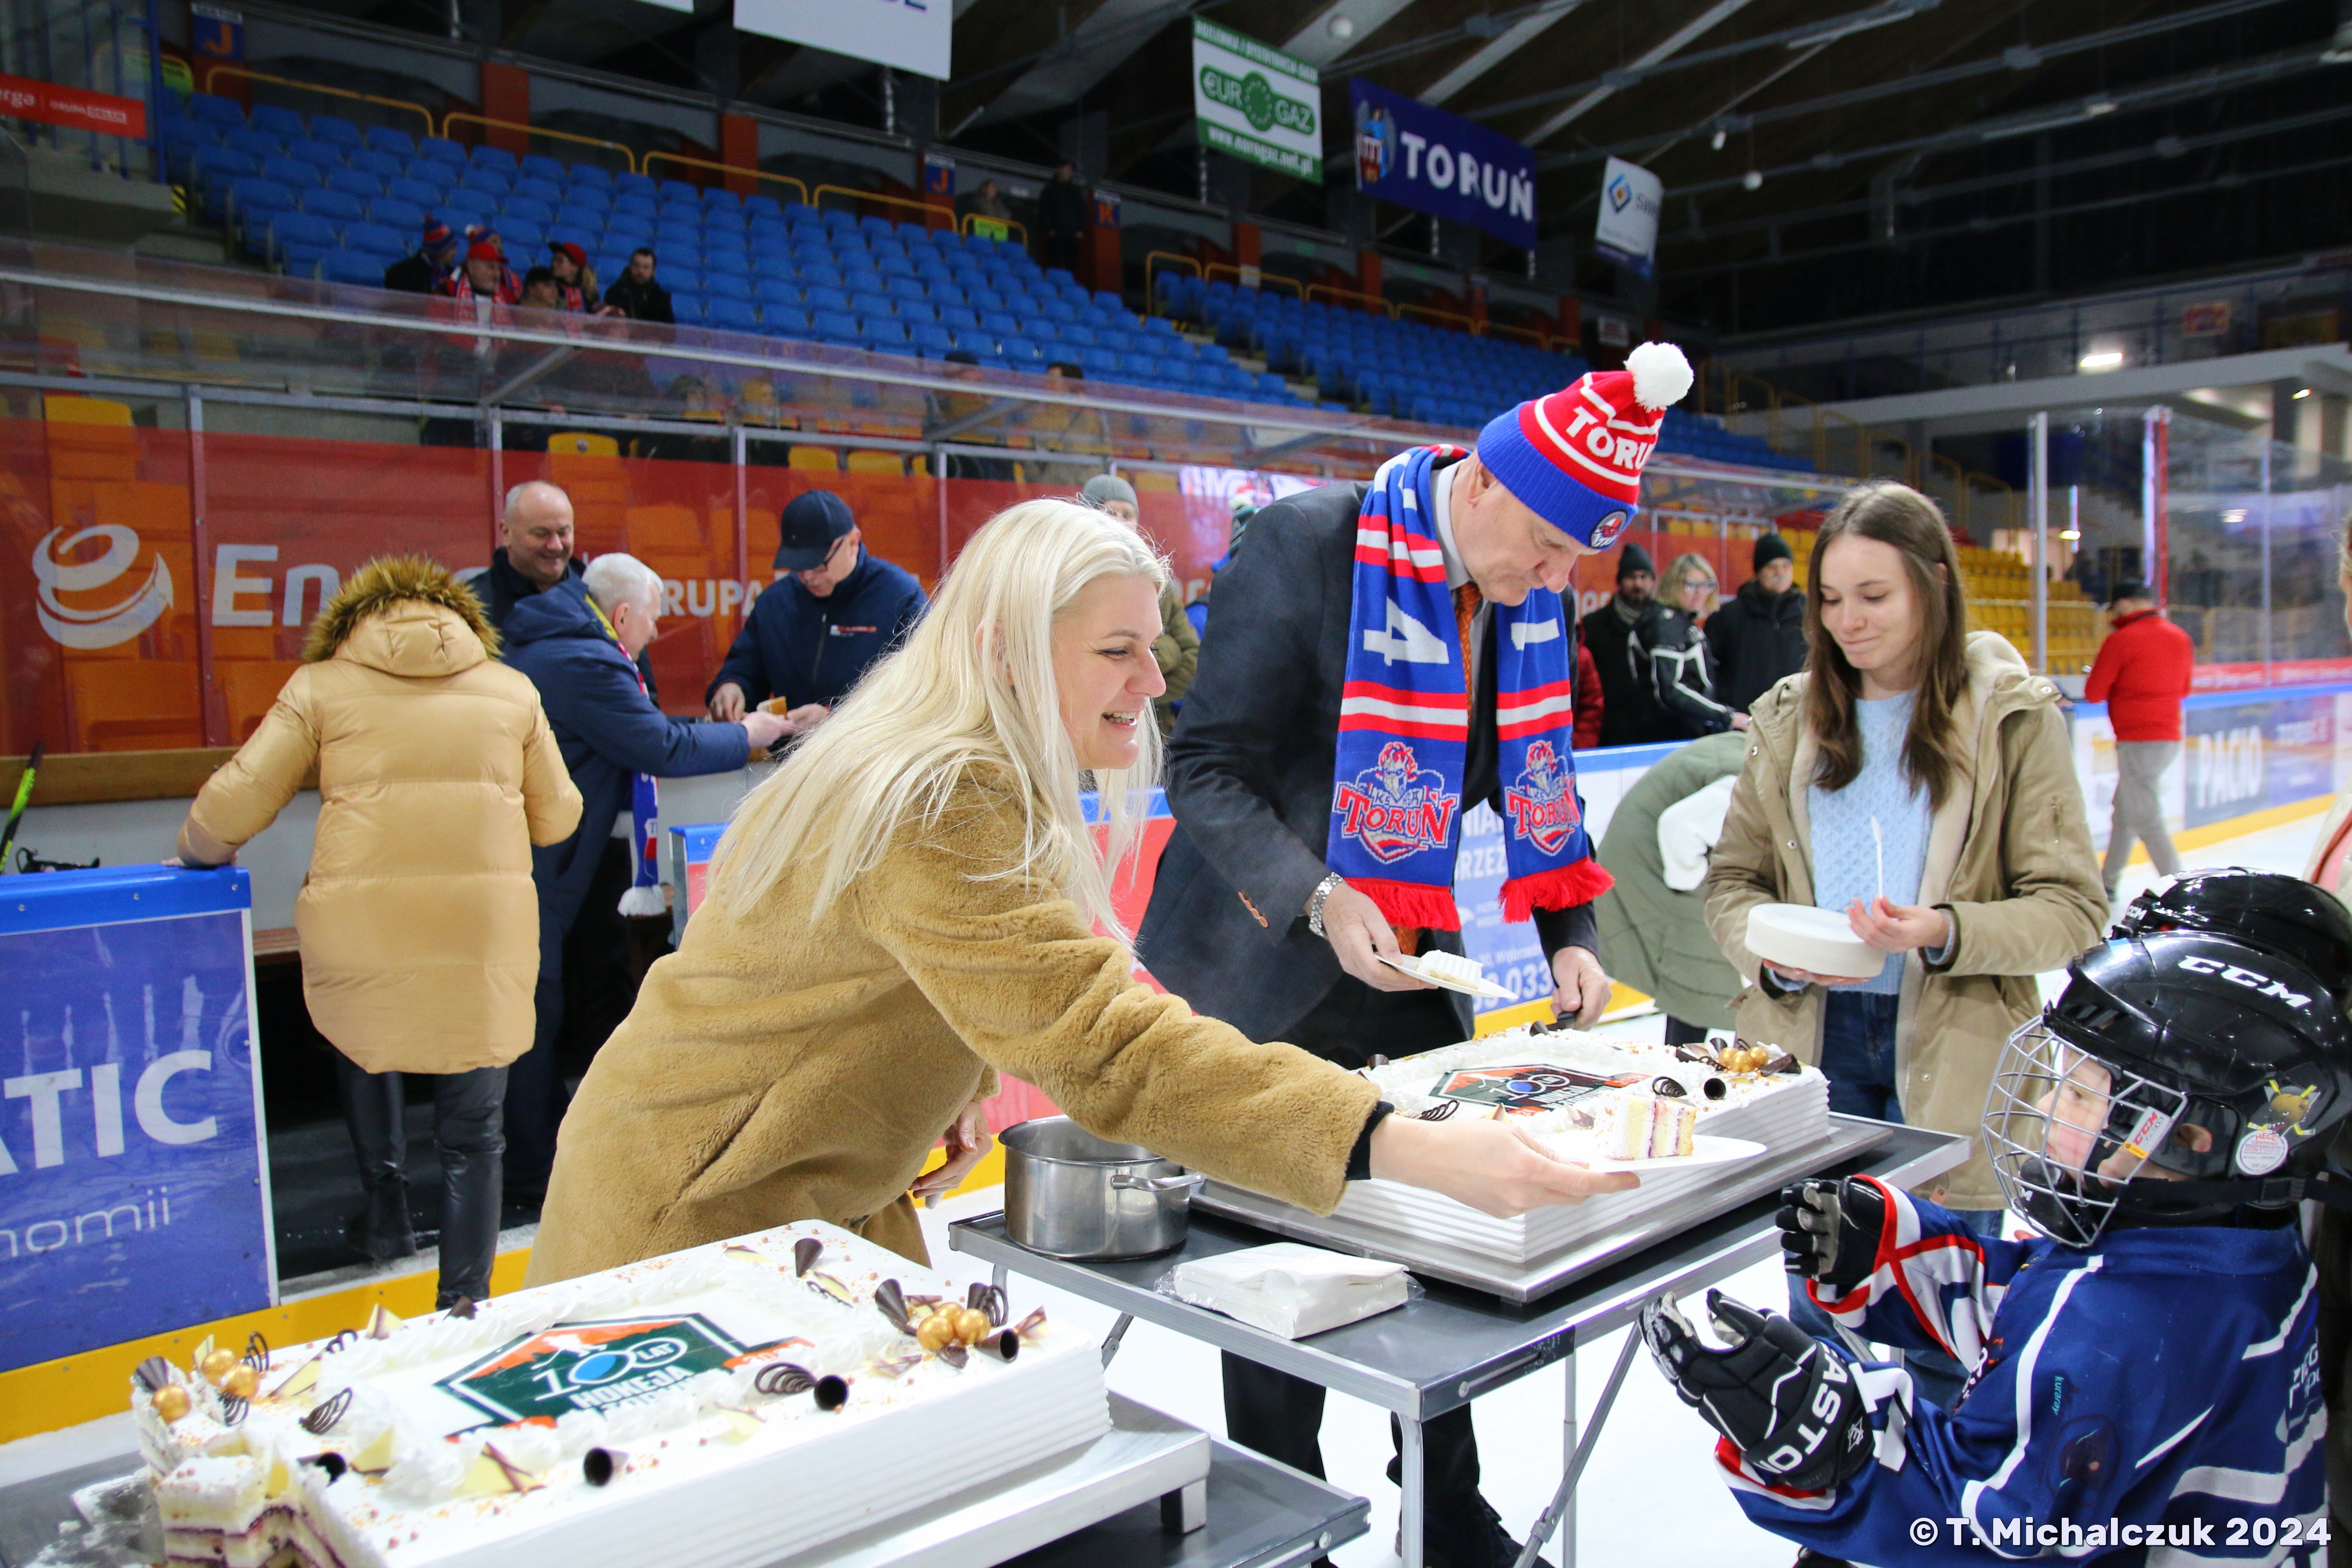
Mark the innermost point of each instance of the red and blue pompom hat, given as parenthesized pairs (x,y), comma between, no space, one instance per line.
(1575,458)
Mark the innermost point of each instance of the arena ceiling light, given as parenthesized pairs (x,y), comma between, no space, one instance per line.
(2103,359)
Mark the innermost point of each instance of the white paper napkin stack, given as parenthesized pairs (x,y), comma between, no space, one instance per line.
(1290,1288)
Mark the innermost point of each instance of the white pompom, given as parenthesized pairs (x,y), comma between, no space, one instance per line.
(645,900)
(1661,374)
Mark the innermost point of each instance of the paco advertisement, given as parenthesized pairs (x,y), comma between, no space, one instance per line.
(1441,163)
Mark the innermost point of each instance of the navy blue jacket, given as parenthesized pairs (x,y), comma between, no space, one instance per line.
(805,650)
(608,731)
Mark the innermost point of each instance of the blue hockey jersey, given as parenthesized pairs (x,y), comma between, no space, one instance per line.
(2152,1400)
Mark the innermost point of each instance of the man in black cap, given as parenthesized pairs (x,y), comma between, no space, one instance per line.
(1758,634)
(833,610)
(1620,636)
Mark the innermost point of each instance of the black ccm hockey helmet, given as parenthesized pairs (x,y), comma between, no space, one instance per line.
(2272,913)
(2227,1068)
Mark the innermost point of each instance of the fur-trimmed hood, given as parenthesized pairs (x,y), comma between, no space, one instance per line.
(403,614)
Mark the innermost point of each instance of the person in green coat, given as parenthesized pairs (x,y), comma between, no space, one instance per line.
(1654,932)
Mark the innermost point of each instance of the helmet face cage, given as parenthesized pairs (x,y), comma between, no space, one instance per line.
(2067,1129)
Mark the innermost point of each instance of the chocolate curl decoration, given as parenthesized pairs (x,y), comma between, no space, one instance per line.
(154,1374)
(599,1466)
(257,1351)
(827,1285)
(1667,1089)
(1005,1344)
(1029,1327)
(322,1420)
(1538,1026)
(330,1462)
(1438,1113)
(955,1355)
(232,1410)
(463,1307)
(343,1337)
(989,1299)
(1782,1062)
(781,1378)
(832,1392)
(891,1302)
(805,1252)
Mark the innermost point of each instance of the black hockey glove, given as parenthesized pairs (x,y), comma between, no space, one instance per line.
(1788,1403)
(1828,1230)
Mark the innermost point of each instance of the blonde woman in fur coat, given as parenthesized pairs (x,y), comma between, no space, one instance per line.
(418,922)
(914,901)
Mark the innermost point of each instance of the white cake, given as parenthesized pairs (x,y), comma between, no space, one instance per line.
(739,1402)
(1586,1096)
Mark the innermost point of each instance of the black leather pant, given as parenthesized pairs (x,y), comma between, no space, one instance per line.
(470,1140)
(1281,1416)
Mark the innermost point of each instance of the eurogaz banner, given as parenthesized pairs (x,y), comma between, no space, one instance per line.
(1432,162)
(1256,103)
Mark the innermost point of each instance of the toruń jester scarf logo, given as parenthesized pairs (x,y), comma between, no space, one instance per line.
(1542,803)
(1396,806)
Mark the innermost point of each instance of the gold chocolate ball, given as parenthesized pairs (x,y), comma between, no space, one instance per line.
(971,1325)
(936,1333)
(215,1365)
(172,1401)
(241,1381)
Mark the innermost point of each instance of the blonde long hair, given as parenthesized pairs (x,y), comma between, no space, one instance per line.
(974,684)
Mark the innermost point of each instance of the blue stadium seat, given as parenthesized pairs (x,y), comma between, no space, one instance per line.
(462,210)
(390,138)
(589,175)
(298,229)
(726,285)
(498,158)
(326,155)
(932,340)
(1022,354)
(960,317)
(635,203)
(335,207)
(353,268)
(252,197)
(716,196)
(588,240)
(524,239)
(423,193)
(755,206)
(687,308)
(491,180)
(244,138)
(378,239)
(877,227)
(915,313)
(282,123)
(587,194)
(733,262)
(540,166)
(731,313)
(292,171)
(782,291)
(209,163)
(215,109)
(834,326)
(869,302)
(680,188)
(644,184)
(335,128)
(358,182)
(973,341)
(573,216)
(999,324)
(674,277)
(827,297)
(862,279)
(784,320)
(904,287)
(532,211)
(548,190)
(883,331)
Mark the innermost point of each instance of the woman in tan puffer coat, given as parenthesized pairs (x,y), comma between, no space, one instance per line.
(419,926)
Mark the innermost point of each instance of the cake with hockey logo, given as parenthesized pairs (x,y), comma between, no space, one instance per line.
(1593,1100)
(741,1403)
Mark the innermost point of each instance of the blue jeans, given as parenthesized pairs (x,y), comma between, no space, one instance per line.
(1858,1058)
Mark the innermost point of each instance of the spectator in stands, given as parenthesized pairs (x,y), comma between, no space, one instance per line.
(1063,213)
(537,553)
(1197,612)
(1591,708)
(578,642)
(988,202)
(576,279)
(1622,635)
(1653,934)
(437,774)
(834,609)
(1918,747)
(635,295)
(2142,675)
(1682,668)
(486,278)
(435,258)
(540,291)
(1177,649)
(1689,585)
(691,399)
(1759,636)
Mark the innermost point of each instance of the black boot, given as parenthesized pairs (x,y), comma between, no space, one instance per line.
(373,1112)
(467,1132)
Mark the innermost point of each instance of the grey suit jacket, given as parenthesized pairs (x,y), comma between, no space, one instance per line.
(1249,779)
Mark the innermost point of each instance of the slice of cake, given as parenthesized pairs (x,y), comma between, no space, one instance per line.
(1452,966)
(756,1398)
(1629,1124)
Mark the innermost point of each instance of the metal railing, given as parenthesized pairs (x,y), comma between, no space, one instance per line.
(1367,303)
(214,70)
(729,170)
(971,221)
(940,211)
(449,123)
(1209,273)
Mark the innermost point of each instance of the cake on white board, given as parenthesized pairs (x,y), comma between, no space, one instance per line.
(734,1404)
(1586,1097)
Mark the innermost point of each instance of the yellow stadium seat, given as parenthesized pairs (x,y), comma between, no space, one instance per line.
(869,462)
(61,408)
(583,444)
(1153,479)
(821,458)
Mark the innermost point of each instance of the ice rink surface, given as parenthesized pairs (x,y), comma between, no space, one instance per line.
(1650,1495)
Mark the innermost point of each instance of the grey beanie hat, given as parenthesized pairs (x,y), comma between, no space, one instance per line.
(1103,488)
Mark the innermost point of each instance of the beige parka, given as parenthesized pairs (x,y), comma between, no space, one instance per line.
(437,774)
(2008,855)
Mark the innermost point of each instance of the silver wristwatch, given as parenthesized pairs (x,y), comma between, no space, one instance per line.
(1315,902)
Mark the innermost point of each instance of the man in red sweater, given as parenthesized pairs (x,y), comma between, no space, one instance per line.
(2141,674)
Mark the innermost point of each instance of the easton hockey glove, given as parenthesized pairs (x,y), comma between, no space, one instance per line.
(1830,1228)
(1788,1403)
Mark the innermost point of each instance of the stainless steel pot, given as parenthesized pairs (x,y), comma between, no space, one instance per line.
(1068,1193)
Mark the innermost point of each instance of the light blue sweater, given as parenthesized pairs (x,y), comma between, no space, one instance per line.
(1845,857)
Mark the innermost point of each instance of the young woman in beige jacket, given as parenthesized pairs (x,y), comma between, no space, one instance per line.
(913,902)
(1907,732)
(418,922)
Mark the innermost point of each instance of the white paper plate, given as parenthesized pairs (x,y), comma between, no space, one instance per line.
(1799,936)
(1707,1149)
(1411,966)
